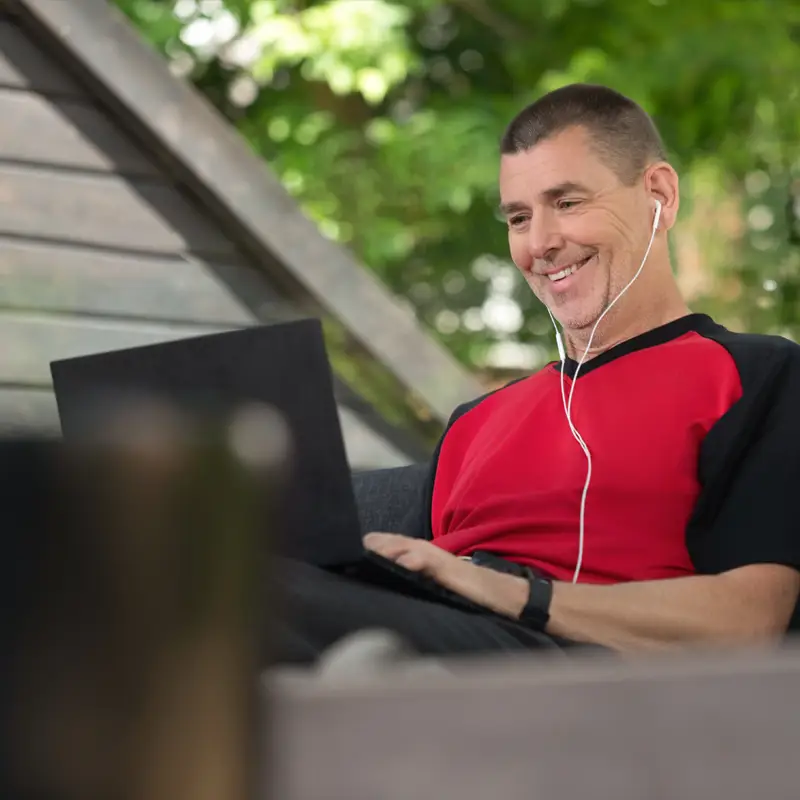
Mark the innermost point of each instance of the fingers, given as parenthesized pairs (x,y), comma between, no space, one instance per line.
(389,545)
(416,561)
(505,594)
(414,554)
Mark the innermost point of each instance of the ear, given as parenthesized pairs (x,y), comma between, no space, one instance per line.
(661,182)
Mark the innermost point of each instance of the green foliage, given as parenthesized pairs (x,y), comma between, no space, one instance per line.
(382,118)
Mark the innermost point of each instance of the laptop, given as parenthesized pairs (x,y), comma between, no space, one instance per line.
(285,366)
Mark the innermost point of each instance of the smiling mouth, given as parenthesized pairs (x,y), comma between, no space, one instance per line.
(567,271)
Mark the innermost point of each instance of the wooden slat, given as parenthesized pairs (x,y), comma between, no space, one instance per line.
(24,65)
(105,211)
(31,342)
(28,410)
(55,278)
(66,133)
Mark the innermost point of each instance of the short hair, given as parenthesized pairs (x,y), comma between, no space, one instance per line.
(620,131)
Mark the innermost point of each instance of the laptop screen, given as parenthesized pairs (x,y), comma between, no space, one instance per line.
(284,366)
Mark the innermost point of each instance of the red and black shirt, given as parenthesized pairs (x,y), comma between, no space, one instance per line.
(694,433)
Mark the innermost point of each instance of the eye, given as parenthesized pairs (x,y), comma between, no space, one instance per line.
(517,221)
(566,205)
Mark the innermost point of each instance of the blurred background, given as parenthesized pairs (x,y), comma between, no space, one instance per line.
(381,119)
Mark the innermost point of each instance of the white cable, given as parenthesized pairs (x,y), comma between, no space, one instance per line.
(568,403)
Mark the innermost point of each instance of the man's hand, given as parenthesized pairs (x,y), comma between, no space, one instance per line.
(501,593)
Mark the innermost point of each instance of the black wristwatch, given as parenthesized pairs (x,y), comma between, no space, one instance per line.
(536,613)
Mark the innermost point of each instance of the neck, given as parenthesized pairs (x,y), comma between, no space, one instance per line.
(625,323)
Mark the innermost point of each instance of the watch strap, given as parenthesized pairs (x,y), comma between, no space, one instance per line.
(536,613)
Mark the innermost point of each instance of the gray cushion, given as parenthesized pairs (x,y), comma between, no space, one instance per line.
(390,500)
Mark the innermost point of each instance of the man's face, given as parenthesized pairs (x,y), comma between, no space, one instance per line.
(575,231)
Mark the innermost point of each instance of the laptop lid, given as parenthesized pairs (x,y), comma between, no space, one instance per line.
(283,365)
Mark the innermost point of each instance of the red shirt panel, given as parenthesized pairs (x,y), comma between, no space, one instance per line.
(510,475)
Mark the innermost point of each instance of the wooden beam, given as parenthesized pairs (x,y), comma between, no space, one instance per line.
(202,145)
(24,66)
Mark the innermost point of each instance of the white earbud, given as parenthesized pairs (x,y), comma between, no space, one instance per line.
(568,402)
(657,215)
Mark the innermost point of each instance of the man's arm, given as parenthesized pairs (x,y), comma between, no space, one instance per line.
(747,605)
(742,538)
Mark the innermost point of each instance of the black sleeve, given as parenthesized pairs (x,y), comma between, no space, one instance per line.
(417,521)
(749,507)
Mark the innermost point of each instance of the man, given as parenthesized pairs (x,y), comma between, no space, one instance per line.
(650,502)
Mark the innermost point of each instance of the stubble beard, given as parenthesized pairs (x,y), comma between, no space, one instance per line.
(585,319)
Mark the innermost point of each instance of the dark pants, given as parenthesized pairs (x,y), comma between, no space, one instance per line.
(320,608)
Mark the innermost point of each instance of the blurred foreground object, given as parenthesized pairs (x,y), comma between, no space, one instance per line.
(681,726)
(134,566)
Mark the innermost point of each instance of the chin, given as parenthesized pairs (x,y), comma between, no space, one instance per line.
(577,316)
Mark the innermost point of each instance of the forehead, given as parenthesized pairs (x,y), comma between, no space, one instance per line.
(566,158)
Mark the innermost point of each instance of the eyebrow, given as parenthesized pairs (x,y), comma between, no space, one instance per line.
(551,194)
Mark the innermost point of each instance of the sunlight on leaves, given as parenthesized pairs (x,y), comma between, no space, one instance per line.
(352,45)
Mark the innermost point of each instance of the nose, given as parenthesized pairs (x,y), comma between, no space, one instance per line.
(544,237)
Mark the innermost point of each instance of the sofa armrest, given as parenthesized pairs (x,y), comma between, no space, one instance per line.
(390,499)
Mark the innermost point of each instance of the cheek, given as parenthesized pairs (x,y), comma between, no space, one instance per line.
(520,254)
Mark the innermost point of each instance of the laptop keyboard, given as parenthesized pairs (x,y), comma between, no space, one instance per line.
(381,571)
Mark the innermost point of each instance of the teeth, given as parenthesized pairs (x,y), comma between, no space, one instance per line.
(557,276)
